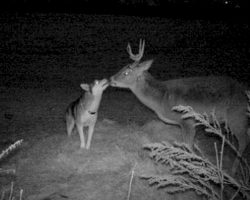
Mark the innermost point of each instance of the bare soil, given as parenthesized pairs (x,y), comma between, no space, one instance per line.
(44,58)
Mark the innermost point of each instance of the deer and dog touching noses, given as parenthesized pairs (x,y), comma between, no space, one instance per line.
(222,95)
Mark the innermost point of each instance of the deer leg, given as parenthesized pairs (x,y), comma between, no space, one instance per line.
(168,121)
(243,141)
(188,131)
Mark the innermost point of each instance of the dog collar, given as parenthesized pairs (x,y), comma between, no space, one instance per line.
(92,113)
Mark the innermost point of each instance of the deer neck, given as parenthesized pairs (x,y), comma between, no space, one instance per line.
(149,91)
(152,93)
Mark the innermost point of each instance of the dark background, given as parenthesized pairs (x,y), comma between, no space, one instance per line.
(210,37)
(209,8)
(47,48)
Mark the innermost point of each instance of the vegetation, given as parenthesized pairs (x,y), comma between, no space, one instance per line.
(9,194)
(190,171)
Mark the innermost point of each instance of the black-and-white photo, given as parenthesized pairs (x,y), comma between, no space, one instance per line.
(124,100)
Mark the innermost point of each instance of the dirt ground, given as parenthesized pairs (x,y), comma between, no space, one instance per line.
(44,58)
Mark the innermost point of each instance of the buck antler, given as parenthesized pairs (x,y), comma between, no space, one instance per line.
(136,57)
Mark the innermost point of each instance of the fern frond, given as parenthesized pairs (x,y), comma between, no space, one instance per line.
(212,126)
(248,106)
(12,147)
(177,183)
(186,164)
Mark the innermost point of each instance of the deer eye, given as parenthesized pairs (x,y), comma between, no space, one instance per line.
(127,72)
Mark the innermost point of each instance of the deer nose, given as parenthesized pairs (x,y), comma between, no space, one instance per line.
(111,81)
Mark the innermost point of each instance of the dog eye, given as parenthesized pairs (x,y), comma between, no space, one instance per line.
(126,73)
(96,82)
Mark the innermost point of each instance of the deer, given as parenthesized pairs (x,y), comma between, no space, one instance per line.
(83,111)
(222,95)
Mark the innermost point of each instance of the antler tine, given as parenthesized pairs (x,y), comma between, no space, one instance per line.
(141,47)
(131,55)
(136,57)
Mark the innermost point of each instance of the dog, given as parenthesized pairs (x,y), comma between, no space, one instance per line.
(82,113)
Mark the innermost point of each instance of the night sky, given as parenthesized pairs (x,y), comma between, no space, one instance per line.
(210,8)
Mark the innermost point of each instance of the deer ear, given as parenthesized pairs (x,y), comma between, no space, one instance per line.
(145,65)
(85,87)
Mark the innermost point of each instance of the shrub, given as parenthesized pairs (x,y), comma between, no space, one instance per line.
(3,155)
(189,171)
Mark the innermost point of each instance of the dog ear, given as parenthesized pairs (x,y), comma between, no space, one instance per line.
(85,87)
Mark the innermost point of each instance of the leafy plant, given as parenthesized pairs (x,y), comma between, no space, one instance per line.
(3,155)
(248,106)
(189,171)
